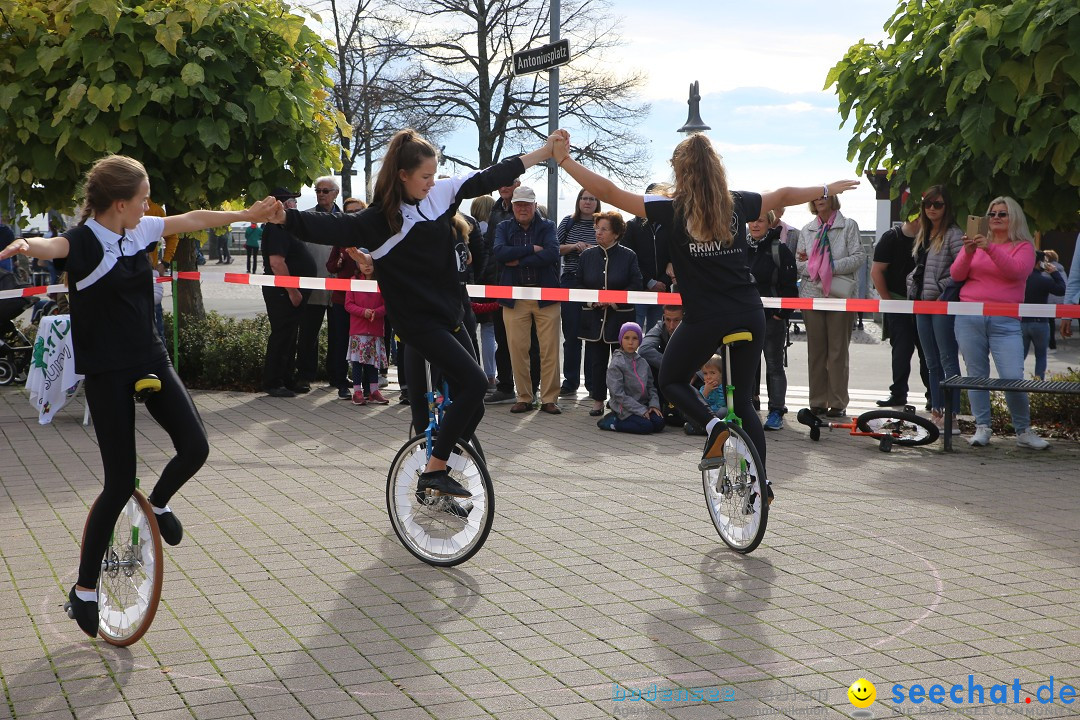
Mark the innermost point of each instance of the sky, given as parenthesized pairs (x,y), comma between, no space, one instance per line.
(761,66)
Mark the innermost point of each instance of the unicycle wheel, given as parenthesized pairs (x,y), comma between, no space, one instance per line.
(738,507)
(441,531)
(129,586)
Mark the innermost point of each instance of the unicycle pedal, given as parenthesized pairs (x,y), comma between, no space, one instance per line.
(146,386)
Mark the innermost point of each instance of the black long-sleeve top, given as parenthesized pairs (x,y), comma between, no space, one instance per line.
(417,267)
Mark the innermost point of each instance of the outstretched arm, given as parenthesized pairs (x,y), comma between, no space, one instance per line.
(601,187)
(36,247)
(787,196)
(197,220)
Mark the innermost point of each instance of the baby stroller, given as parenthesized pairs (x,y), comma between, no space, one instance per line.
(15,349)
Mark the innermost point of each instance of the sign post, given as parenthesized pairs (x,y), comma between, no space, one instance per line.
(548,57)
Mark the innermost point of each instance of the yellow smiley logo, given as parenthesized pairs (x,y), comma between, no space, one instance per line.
(862,693)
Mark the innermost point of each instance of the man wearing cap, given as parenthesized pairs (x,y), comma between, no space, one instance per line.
(283,254)
(527,251)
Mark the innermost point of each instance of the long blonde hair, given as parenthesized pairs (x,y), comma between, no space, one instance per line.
(925,237)
(701,192)
(112,178)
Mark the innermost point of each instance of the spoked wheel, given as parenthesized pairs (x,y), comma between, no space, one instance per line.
(904,428)
(129,586)
(441,531)
(472,439)
(738,507)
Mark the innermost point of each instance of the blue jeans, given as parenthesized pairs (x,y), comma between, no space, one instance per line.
(1037,333)
(649,315)
(938,338)
(639,425)
(487,347)
(981,337)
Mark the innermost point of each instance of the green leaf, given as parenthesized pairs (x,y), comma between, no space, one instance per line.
(236,112)
(108,9)
(168,35)
(990,21)
(212,133)
(192,74)
(102,97)
(47,57)
(1046,63)
(7,94)
(155,55)
(276,78)
(1018,73)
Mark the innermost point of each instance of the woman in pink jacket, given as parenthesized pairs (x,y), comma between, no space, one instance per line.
(367,347)
(994,268)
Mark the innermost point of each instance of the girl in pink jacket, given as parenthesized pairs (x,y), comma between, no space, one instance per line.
(367,349)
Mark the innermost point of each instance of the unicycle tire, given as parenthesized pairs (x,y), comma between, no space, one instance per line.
(735,493)
(129,586)
(441,531)
(904,428)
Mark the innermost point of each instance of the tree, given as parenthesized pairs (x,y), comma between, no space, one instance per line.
(982,97)
(219,100)
(375,90)
(464,48)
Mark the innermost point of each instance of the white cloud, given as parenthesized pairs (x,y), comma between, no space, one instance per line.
(771,149)
(792,108)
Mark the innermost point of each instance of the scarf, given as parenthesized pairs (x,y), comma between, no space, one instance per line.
(820,264)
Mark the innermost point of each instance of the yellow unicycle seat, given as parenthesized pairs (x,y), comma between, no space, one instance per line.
(737,337)
(146,386)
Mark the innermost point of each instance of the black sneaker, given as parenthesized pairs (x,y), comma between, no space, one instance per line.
(83,612)
(500,397)
(440,483)
(172,531)
(280,392)
(713,455)
(344,393)
(566,391)
(300,387)
(458,509)
(752,498)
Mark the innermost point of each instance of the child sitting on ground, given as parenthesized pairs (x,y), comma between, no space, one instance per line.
(634,401)
(712,373)
(367,349)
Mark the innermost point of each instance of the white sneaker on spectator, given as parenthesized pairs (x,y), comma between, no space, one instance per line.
(383,381)
(981,436)
(1029,439)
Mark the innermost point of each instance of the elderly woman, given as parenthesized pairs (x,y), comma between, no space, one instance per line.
(828,256)
(607,266)
(995,268)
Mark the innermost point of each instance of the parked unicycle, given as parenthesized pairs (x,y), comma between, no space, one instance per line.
(129,586)
(888,427)
(439,529)
(737,492)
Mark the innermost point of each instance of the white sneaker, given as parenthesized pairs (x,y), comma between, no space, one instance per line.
(1029,439)
(383,381)
(981,436)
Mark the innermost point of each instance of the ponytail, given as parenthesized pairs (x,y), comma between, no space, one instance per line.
(407,151)
(112,178)
(701,192)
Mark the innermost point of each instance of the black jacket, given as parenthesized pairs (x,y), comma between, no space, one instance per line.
(772,281)
(613,269)
(641,238)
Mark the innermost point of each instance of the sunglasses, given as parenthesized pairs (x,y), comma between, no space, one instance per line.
(324,191)
(1001,214)
(935,204)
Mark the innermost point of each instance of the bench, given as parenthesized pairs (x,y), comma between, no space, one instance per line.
(957,382)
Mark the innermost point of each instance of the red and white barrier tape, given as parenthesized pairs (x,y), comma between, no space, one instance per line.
(505,292)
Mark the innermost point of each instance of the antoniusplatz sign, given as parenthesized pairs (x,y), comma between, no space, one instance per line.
(544,57)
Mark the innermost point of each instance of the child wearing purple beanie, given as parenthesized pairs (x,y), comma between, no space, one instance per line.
(634,403)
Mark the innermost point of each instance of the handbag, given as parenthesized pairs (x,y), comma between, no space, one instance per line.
(843,286)
(951,291)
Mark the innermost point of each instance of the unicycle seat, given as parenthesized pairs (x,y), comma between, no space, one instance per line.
(737,336)
(146,386)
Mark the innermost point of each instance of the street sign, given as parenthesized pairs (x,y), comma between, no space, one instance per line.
(542,58)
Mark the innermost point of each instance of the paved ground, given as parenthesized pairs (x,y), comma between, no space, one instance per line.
(290,597)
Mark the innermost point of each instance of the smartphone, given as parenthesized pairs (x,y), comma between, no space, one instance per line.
(978,225)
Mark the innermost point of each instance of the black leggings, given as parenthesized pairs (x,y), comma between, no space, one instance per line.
(451,352)
(692,344)
(112,407)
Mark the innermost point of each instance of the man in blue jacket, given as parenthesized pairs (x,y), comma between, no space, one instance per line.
(527,251)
